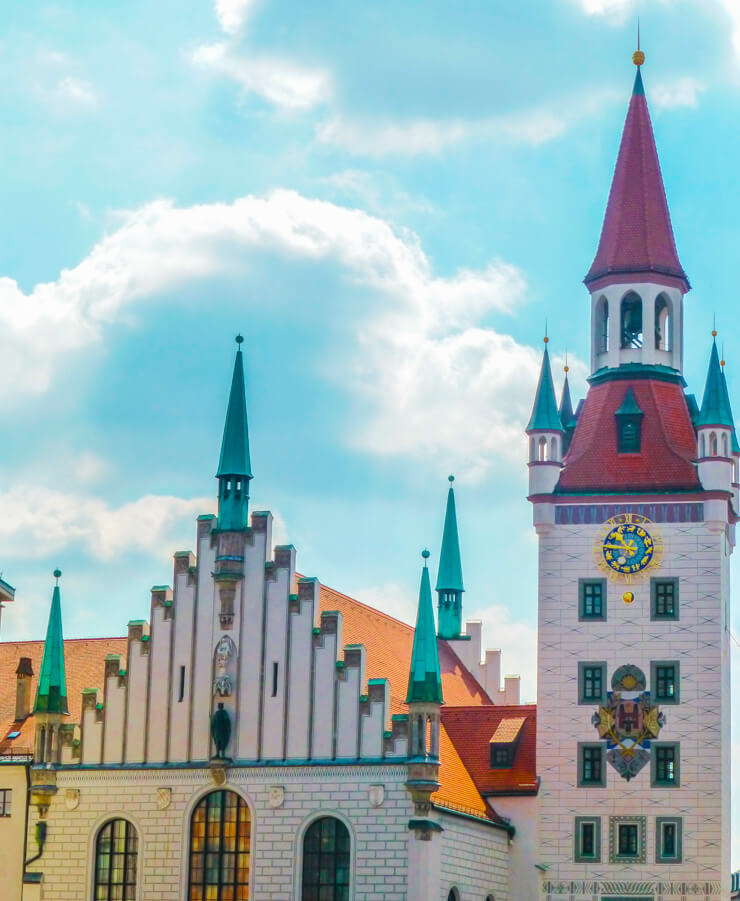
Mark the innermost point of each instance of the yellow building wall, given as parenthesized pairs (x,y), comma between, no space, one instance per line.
(13,831)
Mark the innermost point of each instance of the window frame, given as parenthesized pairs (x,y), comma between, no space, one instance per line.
(507,750)
(655,665)
(6,802)
(614,823)
(203,800)
(660,856)
(583,584)
(584,746)
(131,832)
(578,855)
(657,746)
(583,665)
(312,822)
(664,617)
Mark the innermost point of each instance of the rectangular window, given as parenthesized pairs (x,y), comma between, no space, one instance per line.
(668,840)
(591,683)
(665,681)
(500,757)
(592,599)
(181,693)
(665,763)
(664,598)
(6,795)
(627,839)
(274,679)
(591,772)
(587,840)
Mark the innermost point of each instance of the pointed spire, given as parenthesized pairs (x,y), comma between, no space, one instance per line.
(715,407)
(235,445)
(545,416)
(566,404)
(234,468)
(425,680)
(637,236)
(449,576)
(51,695)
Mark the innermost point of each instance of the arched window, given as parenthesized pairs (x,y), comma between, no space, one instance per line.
(713,444)
(326,861)
(663,323)
(725,452)
(532,449)
(219,848)
(553,448)
(454,895)
(116,850)
(631,321)
(543,450)
(702,446)
(602,325)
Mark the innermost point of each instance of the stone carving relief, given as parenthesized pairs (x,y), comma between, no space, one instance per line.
(164,798)
(224,668)
(277,796)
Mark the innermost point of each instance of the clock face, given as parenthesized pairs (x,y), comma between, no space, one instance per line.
(629,548)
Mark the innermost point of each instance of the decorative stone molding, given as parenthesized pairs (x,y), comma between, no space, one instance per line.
(376,795)
(164,798)
(277,796)
(590,888)
(72,798)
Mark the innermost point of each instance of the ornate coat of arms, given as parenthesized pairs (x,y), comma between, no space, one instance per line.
(628,722)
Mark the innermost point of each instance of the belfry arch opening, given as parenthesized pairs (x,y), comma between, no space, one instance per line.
(631,321)
(663,323)
(602,325)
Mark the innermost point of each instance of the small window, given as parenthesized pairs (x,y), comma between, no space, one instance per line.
(668,840)
(592,599)
(665,764)
(274,679)
(591,772)
(591,683)
(14,734)
(500,757)
(664,598)
(6,796)
(181,692)
(627,839)
(587,840)
(629,437)
(665,681)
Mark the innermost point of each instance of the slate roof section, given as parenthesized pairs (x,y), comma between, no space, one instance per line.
(637,242)
(668,443)
(470,730)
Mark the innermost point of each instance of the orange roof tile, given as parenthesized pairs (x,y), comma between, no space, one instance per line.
(84,666)
(470,730)
(508,729)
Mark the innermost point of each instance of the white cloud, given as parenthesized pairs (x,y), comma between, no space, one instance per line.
(368,137)
(77,91)
(680,92)
(432,380)
(732,9)
(89,468)
(279,81)
(39,521)
(233,14)
(392,598)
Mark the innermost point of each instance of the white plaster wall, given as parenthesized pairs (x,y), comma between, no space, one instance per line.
(474,859)
(137,672)
(276,636)
(204,643)
(379,835)
(696,553)
(349,689)
(522,811)
(160,690)
(182,655)
(324,694)
(113,712)
(299,678)
(13,832)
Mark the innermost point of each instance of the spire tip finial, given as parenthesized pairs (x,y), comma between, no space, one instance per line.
(425,555)
(450,478)
(57,575)
(239,341)
(638,57)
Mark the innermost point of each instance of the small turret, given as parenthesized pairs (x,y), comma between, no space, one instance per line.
(714,428)
(234,468)
(424,695)
(567,417)
(51,694)
(449,577)
(545,432)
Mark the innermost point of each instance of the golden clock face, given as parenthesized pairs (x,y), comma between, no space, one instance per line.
(629,547)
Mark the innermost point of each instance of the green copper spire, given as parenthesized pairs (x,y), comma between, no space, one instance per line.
(715,407)
(51,695)
(425,680)
(545,416)
(449,577)
(567,417)
(234,468)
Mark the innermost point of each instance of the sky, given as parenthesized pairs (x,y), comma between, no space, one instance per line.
(389,201)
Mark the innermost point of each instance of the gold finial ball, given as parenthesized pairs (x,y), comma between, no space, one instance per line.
(714,332)
(722,363)
(566,369)
(546,339)
(638,57)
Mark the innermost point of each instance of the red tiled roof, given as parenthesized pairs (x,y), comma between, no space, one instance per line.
(470,730)
(667,450)
(84,666)
(637,236)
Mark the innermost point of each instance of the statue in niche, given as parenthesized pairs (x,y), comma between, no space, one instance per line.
(223,685)
(221,730)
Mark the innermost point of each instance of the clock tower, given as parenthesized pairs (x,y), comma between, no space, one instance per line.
(634,503)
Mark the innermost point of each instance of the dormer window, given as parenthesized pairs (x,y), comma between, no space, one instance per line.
(505,741)
(629,425)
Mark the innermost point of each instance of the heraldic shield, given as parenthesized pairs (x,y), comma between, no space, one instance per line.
(628,721)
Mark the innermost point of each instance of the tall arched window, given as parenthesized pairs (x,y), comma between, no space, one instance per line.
(631,320)
(602,326)
(713,444)
(116,850)
(542,450)
(219,848)
(326,861)
(454,895)
(663,323)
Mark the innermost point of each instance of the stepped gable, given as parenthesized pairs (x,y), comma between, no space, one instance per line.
(637,235)
(85,663)
(471,729)
(668,447)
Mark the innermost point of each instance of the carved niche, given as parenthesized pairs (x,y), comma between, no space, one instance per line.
(224,668)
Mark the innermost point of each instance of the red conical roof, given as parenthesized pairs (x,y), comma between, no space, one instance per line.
(637,237)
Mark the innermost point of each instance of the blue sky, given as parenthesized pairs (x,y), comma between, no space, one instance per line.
(388,200)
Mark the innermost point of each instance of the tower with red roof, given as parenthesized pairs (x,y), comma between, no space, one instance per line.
(635,504)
